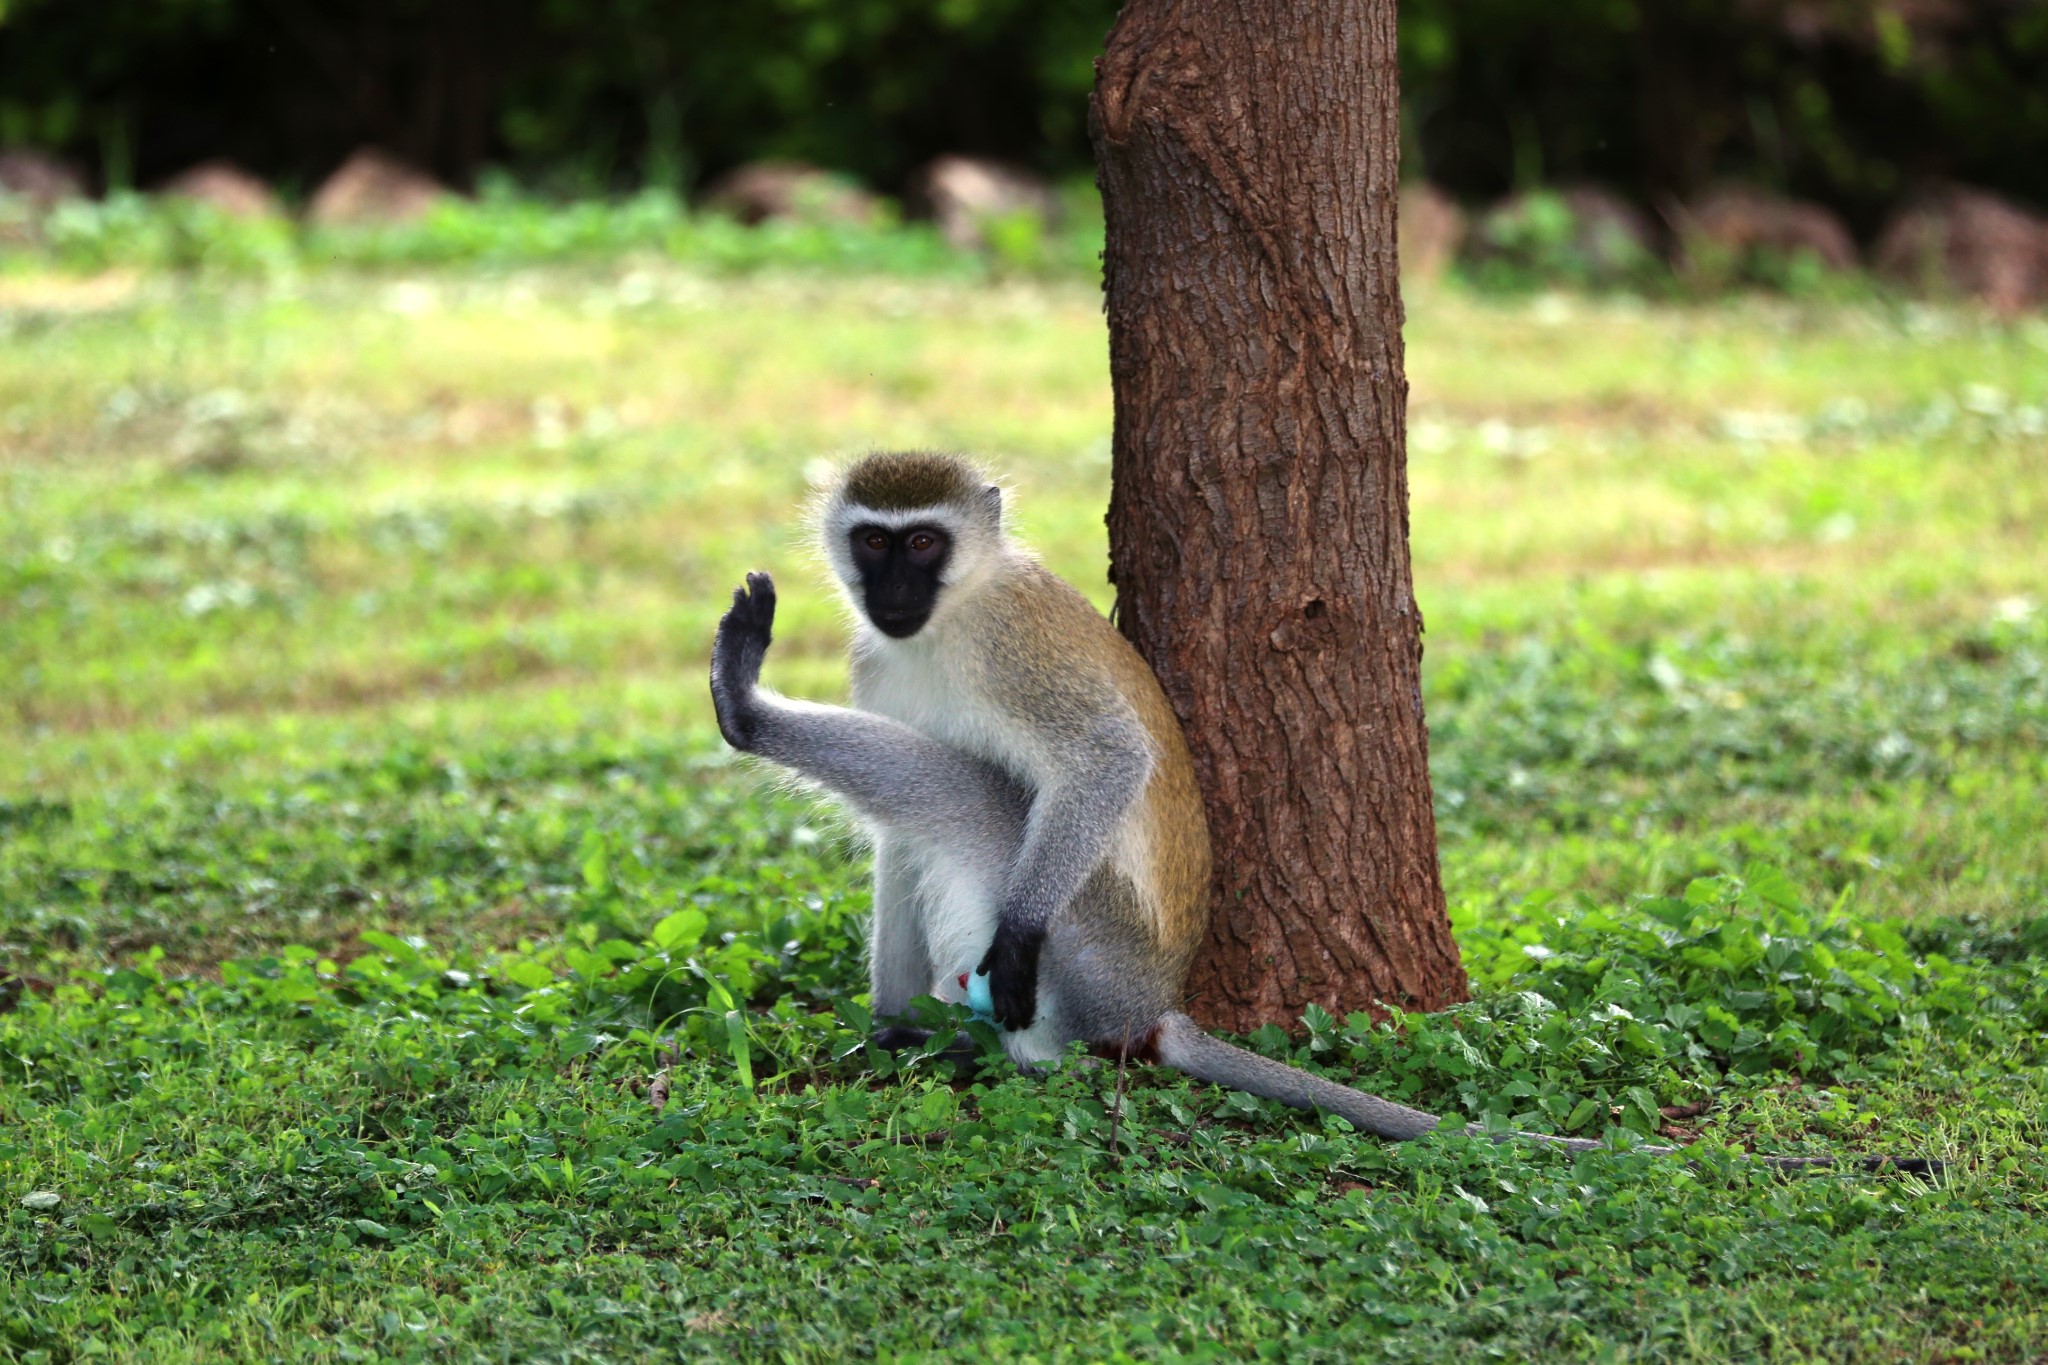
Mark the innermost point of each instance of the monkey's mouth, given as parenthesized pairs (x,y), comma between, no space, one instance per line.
(900,625)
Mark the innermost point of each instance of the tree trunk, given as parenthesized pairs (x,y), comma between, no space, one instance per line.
(1248,153)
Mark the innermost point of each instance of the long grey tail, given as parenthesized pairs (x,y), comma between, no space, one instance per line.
(1184,1046)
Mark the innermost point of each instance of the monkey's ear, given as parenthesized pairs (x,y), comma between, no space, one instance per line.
(992,498)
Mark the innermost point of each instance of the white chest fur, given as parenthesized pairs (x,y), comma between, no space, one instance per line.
(935,687)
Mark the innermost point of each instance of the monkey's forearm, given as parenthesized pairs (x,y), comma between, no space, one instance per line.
(1067,839)
(1069,835)
(890,773)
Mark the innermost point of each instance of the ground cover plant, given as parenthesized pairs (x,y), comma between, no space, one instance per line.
(395,967)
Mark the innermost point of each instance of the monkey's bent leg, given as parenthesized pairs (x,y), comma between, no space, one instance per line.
(1046,1039)
(1112,979)
(958,900)
(899,964)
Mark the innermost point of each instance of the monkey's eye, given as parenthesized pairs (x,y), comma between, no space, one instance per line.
(877,541)
(922,541)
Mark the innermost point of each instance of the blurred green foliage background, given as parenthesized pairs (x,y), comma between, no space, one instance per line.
(1847,101)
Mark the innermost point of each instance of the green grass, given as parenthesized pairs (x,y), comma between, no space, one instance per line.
(505,227)
(339,603)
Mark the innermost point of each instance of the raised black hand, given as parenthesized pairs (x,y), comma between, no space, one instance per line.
(743,637)
(1012,967)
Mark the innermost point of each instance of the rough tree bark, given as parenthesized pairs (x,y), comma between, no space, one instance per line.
(1248,152)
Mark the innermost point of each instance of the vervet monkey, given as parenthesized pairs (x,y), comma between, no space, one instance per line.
(1034,810)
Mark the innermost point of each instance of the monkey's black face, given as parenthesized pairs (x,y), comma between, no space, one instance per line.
(899,575)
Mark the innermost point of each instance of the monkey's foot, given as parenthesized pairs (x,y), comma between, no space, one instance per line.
(900,1038)
(744,635)
(962,1051)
